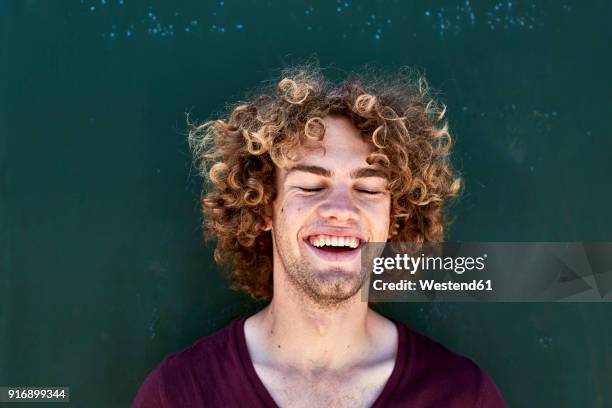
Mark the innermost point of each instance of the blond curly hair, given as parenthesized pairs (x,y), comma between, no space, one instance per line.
(238,156)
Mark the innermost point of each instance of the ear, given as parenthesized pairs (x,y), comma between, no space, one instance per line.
(268,225)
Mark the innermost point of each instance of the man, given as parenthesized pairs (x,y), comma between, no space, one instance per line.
(299,180)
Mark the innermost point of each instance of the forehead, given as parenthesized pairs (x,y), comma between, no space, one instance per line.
(342,145)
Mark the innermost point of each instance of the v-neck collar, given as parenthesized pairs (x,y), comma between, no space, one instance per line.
(262,391)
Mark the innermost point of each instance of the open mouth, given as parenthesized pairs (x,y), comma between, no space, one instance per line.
(335,248)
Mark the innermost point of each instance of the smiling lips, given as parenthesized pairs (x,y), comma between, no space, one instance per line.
(320,241)
(334,248)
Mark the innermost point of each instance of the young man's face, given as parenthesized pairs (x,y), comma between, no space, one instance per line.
(327,205)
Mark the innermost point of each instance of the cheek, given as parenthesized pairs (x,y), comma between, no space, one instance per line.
(291,204)
(286,209)
(379,215)
(292,212)
(379,209)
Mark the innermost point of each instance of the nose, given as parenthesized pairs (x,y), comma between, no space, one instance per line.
(339,206)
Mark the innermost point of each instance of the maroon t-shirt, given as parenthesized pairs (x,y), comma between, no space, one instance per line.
(217,371)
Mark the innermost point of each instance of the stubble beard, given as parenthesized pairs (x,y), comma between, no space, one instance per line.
(325,288)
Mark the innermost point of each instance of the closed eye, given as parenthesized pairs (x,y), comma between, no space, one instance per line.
(311,190)
(372,192)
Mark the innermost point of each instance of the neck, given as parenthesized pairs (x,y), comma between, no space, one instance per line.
(305,335)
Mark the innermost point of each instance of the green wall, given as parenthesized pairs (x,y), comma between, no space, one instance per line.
(102,266)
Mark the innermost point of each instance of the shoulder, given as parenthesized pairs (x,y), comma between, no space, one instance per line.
(427,357)
(445,378)
(210,351)
(207,360)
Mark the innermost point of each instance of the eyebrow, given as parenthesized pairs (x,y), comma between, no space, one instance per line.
(368,172)
(322,171)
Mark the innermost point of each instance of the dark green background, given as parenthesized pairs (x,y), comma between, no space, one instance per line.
(102,266)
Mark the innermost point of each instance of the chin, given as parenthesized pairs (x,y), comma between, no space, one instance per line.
(338,281)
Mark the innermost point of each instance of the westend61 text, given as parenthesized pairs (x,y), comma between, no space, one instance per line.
(429,284)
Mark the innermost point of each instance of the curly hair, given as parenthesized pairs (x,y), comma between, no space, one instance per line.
(239,154)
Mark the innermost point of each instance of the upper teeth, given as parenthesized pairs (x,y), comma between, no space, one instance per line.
(331,240)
